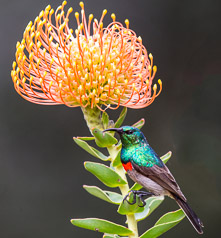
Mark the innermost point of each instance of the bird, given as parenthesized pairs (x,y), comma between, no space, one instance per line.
(145,167)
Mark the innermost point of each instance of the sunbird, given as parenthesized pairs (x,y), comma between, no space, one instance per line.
(145,167)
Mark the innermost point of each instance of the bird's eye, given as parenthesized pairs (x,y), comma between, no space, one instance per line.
(129,132)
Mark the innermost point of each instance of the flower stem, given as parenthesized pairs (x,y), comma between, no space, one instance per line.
(131,221)
(92,117)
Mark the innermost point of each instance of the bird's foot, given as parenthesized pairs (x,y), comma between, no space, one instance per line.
(140,195)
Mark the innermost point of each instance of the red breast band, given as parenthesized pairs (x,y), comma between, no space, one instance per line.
(127,166)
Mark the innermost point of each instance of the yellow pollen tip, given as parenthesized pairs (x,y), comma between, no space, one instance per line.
(70,10)
(154,68)
(81,5)
(97,100)
(91,16)
(104,11)
(154,87)
(41,14)
(150,56)
(64,3)
(127,23)
(76,15)
(113,16)
(51,11)
(18,44)
(48,8)
(139,39)
(159,81)
(14,65)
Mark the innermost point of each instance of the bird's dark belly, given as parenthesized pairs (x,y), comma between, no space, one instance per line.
(147,183)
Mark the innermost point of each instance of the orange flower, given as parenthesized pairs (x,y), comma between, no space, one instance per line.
(95,66)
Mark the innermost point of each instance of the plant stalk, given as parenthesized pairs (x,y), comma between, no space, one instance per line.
(131,221)
(92,117)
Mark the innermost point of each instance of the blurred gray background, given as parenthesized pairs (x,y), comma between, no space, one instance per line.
(41,169)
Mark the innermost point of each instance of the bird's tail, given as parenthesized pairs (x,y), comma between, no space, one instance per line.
(191,215)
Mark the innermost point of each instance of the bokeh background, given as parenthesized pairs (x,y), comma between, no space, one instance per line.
(41,169)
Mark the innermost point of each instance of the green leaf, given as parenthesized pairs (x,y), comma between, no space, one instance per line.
(117,160)
(84,145)
(105,120)
(139,124)
(109,236)
(113,236)
(136,186)
(171,216)
(166,157)
(165,223)
(108,196)
(103,139)
(121,118)
(125,208)
(152,204)
(85,138)
(105,174)
(100,225)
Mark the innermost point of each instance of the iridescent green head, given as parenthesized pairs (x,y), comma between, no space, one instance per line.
(129,135)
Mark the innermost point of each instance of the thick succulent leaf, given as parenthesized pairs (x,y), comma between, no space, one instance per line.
(85,138)
(84,145)
(139,124)
(103,139)
(113,236)
(166,157)
(109,236)
(108,196)
(165,223)
(105,174)
(136,186)
(105,120)
(121,118)
(117,160)
(152,204)
(171,216)
(125,208)
(100,225)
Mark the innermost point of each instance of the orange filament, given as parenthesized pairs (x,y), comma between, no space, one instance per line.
(109,66)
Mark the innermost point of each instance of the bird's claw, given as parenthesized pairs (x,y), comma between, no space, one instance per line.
(134,198)
(140,195)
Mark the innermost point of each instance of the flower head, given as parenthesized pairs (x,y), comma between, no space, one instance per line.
(91,66)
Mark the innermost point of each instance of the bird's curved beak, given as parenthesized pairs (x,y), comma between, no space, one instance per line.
(118,130)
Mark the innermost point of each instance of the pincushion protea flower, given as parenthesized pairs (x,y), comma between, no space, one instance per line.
(95,66)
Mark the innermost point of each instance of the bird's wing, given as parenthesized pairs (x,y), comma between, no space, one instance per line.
(159,174)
